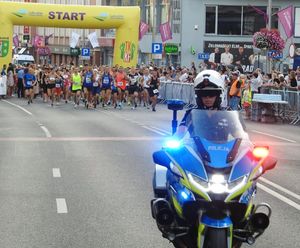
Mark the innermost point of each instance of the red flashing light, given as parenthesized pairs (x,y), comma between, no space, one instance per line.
(260,152)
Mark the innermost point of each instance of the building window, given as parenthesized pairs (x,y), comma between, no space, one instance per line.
(274,20)
(229,20)
(165,7)
(210,27)
(176,17)
(252,20)
(236,20)
(149,15)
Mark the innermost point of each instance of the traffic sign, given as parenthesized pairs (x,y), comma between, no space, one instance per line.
(275,54)
(203,56)
(85,52)
(157,48)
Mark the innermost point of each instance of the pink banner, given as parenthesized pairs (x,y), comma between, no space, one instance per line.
(38,41)
(143,29)
(16,41)
(286,18)
(165,31)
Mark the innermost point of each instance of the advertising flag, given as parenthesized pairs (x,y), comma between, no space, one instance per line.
(38,41)
(93,39)
(285,17)
(143,29)
(74,39)
(16,40)
(165,31)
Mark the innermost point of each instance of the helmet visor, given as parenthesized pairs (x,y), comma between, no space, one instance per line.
(208,93)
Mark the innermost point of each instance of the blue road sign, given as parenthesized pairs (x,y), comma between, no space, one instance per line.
(203,56)
(275,54)
(157,48)
(85,52)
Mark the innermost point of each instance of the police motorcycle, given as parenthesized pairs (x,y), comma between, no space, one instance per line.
(205,183)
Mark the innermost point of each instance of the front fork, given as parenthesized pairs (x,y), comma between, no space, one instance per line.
(206,222)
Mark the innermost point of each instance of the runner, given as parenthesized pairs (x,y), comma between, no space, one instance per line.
(87,86)
(96,87)
(121,79)
(58,86)
(107,82)
(76,86)
(29,81)
(153,90)
(146,80)
(51,78)
(67,84)
(133,87)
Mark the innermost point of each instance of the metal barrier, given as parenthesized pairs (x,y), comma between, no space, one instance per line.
(292,110)
(185,91)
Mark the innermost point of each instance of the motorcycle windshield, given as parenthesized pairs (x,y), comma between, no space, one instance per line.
(216,127)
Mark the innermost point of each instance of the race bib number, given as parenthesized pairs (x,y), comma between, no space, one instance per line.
(52,79)
(119,83)
(155,91)
(57,85)
(95,84)
(29,83)
(105,81)
(88,80)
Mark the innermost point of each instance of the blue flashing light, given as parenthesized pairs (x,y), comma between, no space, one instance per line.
(173,144)
(184,195)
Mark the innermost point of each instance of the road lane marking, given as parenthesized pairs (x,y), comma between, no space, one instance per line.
(56,172)
(279,196)
(296,196)
(274,136)
(17,106)
(61,205)
(34,139)
(162,130)
(153,130)
(46,131)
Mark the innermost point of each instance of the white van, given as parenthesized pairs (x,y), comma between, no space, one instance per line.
(22,59)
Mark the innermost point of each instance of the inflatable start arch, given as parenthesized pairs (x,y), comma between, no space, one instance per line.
(124,19)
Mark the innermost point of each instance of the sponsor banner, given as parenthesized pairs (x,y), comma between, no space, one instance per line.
(285,17)
(244,54)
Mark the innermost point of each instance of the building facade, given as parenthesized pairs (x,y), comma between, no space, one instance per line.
(198,26)
(215,23)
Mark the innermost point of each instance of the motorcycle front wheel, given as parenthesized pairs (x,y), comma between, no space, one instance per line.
(216,237)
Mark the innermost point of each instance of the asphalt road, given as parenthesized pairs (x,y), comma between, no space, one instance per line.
(82,178)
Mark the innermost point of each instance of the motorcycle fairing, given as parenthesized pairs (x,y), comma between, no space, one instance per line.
(242,167)
(188,161)
(218,153)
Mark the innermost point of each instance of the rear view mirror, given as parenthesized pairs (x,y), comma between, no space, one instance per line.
(161,158)
(269,163)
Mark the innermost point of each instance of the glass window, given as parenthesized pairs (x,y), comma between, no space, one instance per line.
(229,20)
(210,20)
(165,10)
(149,15)
(176,17)
(274,20)
(252,20)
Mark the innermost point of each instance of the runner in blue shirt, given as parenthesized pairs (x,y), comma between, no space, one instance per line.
(88,86)
(107,82)
(29,81)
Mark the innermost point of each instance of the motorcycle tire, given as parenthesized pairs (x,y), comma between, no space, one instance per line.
(216,238)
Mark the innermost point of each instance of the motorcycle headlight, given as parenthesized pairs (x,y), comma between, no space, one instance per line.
(217,184)
(198,182)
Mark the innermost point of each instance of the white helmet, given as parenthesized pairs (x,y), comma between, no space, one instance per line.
(209,80)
